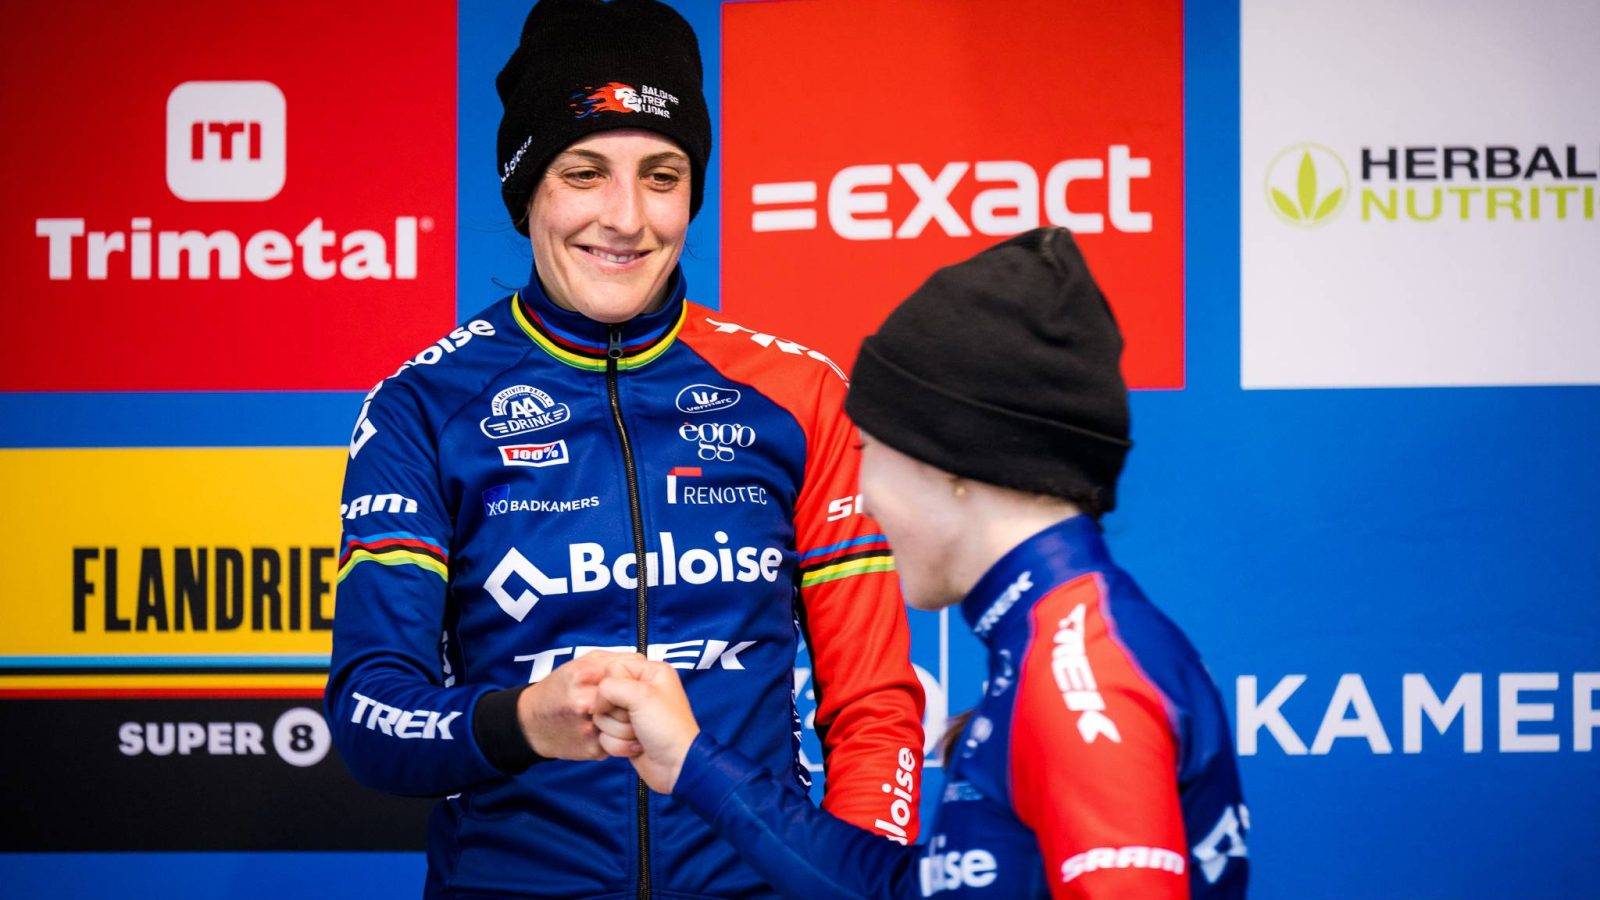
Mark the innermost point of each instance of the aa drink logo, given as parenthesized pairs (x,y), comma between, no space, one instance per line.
(254,231)
(888,159)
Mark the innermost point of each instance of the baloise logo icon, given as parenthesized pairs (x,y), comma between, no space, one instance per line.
(1307,185)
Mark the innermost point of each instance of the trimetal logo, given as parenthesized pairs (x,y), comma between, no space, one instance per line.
(226,140)
(517,585)
(1307,184)
(700,654)
(1010,202)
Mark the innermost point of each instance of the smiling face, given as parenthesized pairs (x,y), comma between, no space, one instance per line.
(607,223)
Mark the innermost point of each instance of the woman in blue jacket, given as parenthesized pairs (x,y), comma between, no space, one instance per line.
(1098,763)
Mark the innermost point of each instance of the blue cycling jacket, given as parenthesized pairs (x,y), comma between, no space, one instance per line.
(503,487)
(1098,764)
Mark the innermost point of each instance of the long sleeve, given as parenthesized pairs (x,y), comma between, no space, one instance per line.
(869,702)
(801,850)
(1093,757)
(396,716)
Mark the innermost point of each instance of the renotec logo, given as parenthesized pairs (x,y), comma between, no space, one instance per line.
(227,142)
(1307,185)
(1010,202)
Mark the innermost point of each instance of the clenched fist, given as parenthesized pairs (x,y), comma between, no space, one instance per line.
(555,714)
(643,714)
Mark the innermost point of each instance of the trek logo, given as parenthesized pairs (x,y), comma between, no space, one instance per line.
(708,653)
(377,503)
(905,781)
(1069,663)
(406,724)
(226,140)
(455,340)
(589,572)
(536,456)
(497,501)
(1134,857)
(767,340)
(704,398)
(717,441)
(707,494)
(1011,206)
(1007,599)
(520,409)
(952,870)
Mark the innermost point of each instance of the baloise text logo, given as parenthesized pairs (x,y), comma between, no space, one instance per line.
(1307,185)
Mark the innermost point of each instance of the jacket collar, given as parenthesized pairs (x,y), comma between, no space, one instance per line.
(1028,571)
(583,343)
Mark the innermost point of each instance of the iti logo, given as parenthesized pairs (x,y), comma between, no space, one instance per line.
(1298,185)
(226,140)
(612,97)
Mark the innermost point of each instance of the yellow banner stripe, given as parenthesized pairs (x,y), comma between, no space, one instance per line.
(847,569)
(393,558)
(123,680)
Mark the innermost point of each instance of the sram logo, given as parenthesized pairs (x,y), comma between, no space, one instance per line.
(517,585)
(1010,201)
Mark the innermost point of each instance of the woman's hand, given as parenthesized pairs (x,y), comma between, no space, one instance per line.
(642,713)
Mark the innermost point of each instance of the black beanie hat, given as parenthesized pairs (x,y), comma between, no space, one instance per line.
(1003,369)
(584,66)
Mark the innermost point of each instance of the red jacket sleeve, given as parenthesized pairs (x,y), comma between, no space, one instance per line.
(869,702)
(1094,756)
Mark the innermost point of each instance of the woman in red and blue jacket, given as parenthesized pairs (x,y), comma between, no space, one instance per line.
(1098,763)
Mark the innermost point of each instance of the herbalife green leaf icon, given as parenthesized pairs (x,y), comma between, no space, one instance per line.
(1307,206)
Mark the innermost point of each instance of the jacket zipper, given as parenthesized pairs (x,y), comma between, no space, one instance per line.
(641,598)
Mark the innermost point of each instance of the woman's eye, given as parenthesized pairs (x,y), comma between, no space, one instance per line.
(663,179)
(583,176)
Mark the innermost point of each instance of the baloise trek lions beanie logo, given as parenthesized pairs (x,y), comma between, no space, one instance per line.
(616,97)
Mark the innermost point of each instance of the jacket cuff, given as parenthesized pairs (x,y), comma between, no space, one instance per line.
(710,775)
(499,734)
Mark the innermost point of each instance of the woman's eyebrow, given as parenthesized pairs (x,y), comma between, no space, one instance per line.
(664,156)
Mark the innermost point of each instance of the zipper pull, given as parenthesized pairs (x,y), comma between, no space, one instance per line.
(614,345)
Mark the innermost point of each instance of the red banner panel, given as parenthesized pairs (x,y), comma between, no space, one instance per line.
(867,142)
(214,196)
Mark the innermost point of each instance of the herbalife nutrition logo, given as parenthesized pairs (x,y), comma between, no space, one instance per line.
(1307,185)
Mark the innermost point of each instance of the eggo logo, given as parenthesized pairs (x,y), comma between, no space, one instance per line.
(1009,203)
(589,571)
(717,440)
(226,140)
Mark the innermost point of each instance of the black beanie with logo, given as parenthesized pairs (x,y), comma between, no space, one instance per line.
(584,66)
(1005,369)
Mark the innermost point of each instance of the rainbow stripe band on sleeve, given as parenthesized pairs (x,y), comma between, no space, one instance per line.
(858,556)
(394,548)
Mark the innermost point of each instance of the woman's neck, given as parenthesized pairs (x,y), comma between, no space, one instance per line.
(1000,519)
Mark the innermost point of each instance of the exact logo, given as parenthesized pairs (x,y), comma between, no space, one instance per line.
(519,409)
(226,140)
(1009,204)
(535,456)
(1307,185)
(704,398)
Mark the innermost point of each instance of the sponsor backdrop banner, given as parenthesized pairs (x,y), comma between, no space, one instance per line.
(221,234)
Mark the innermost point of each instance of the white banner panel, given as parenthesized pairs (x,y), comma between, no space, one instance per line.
(1419,203)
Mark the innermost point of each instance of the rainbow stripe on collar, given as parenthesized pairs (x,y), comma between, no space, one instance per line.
(584,354)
